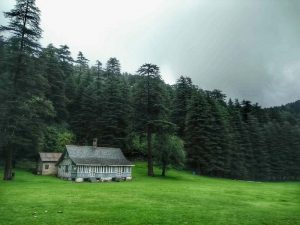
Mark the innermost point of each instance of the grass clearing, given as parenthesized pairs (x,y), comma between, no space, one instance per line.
(180,198)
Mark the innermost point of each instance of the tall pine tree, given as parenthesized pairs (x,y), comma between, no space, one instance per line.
(148,105)
(26,107)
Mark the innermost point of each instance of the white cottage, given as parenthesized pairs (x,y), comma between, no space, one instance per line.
(91,162)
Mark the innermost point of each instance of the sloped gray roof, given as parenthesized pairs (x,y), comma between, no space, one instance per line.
(103,156)
(50,156)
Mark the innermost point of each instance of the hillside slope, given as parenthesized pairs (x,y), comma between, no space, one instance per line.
(180,198)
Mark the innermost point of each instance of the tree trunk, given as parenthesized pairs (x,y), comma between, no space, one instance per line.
(163,170)
(149,155)
(149,132)
(8,164)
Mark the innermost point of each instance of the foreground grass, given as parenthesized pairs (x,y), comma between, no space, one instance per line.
(179,199)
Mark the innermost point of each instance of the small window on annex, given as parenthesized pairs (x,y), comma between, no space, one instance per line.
(46,166)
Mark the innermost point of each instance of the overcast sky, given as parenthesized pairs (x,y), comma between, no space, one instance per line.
(249,49)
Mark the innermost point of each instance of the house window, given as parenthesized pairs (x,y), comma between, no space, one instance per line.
(67,169)
(46,166)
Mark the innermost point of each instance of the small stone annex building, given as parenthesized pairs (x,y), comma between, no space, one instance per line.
(93,163)
(46,164)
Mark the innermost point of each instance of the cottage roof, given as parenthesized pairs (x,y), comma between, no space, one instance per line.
(104,156)
(50,156)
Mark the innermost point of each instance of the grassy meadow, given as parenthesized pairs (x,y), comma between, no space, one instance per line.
(180,198)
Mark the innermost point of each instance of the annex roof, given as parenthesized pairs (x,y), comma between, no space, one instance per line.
(50,156)
(103,156)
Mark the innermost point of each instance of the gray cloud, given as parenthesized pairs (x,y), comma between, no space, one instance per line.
(247,49)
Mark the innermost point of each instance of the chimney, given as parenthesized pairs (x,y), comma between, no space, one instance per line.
(95,140)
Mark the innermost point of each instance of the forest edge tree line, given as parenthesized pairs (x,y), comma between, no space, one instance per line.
(48,100)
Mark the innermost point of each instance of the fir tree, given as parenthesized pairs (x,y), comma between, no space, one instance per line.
(115,112)
(113,66)
(149,105)
(183,92)
(196,133)
(56,85)
(27,84)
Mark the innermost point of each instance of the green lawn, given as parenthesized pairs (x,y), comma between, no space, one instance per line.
(179,199)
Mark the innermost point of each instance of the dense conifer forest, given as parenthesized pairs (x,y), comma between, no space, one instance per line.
(49,99)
